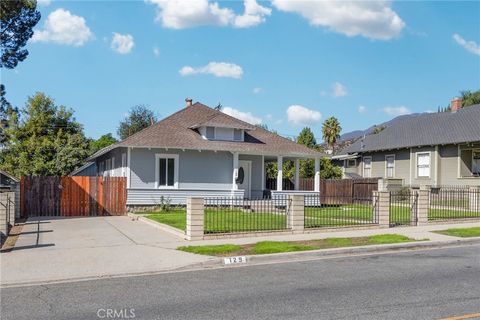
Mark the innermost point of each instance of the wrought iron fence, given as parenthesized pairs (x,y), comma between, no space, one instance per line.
(233,215)
(454,202)
(340,211)
(403,207)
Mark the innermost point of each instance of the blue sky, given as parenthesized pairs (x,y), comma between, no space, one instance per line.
(285,63)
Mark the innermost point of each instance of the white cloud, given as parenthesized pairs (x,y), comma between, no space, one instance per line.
(362,109)
(245,116)
(44,2)
(122,43)
(218,69)
(323,93)
(470,46)
(156,51)
(177,14)
(396,111)
(64,28)
(299,115)
(339,90)
(371,19)
(257,90)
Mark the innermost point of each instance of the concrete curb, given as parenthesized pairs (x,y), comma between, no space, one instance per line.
(337,253)
(158,225)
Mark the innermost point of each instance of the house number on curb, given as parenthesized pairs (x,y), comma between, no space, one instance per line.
(234,260)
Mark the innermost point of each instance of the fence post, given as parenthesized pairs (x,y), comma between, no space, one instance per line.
(195,217)
(382,200)
(423,205)
(296,214)
(474,198)
(382,185)
(4,214)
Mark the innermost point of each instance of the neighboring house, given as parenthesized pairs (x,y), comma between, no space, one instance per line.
(429,149)
(197,151)
(7,181)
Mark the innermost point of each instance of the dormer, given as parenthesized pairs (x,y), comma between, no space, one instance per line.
(223,128)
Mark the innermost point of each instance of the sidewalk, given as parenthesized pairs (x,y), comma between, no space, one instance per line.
(69,249)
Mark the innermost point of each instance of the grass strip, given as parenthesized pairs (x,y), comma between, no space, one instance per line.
(461,232)
(267,247)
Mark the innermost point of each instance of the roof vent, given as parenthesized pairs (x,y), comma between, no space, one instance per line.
(188,102)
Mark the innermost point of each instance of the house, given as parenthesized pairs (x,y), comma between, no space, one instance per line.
(198,151)
(429,149)
(7,181)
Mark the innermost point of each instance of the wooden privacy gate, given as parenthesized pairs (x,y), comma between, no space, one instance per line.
(347,190)
(72,196)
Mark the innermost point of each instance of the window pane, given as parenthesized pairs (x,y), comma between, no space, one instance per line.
(390,162)
(162,172)
(423,159)
(237,134)
(367,173)
(389,172)
(210,133)
(424,172)
(368,163)
(171,171)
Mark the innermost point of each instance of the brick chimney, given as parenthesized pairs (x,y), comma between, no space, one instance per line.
(188,102)
(456,104)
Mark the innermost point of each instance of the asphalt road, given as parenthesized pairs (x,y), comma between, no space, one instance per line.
(429,284)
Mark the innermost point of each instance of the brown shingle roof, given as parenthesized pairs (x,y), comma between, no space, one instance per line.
(175,132)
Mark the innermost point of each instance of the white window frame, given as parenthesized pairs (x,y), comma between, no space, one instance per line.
(371,160)
(386,166)
(417,154)
(473,158)
(112,167)
(214,133)
(124,164)
(159,156)
(241,135)
(349,166)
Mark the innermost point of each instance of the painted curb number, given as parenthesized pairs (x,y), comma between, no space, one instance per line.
(235,260)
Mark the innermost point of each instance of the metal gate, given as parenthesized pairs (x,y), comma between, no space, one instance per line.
(403,208)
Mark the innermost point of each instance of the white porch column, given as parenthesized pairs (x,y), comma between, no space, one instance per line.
(297,174)
(279,173)
(235,171)
(317,174)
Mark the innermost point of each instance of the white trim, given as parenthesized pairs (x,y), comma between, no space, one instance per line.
(363,167)
(410,172)
(386,166)
(159,156)
(248,192)
(471,169)
(263,173)
(235,171)
(129,171)
(317,175)
(124,164)
(437,169)
(297,174)
(279,173)
(429,165)
(459,155)
(354,166)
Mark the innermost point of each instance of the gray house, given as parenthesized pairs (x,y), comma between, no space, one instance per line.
(430,149)
(198,151)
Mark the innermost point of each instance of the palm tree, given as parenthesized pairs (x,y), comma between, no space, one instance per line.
(331,131)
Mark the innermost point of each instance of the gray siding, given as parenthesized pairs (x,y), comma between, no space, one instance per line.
(402,164)
(117,168)
(256,184)
(449,166)
(197,170)
(146,197)
(90,171)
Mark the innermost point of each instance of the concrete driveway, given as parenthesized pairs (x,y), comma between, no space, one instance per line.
(55,249)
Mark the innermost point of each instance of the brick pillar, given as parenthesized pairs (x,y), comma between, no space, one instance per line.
(296,212)
(382,201)
(474,198)
(195,217)
(422,206)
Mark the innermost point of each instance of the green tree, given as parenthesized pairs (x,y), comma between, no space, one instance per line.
(328,170)
(307,138)
(46,140)
(470,98)
(139,117)
(18,17)
(8,115)
(331,131)
(102,142)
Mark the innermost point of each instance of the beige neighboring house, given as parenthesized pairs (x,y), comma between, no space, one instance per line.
(429,149)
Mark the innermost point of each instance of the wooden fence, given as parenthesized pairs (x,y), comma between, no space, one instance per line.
(347,190)
(72,196)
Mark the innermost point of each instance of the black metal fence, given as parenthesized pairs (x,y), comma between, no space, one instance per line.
(340,211)
(403,207)
(453,202)
(233,215)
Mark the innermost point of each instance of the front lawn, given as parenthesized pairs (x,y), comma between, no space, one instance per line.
(174,218)
(266,247)
(461,232)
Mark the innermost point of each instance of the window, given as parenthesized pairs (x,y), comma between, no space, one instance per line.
(237,134)
(210,132)
(166,171)
(390,163)
(423,165)
(476,162)
(124,164)
(101,167)
(367,167)
(351,163)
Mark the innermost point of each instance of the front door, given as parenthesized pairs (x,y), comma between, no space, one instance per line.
(246,167)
